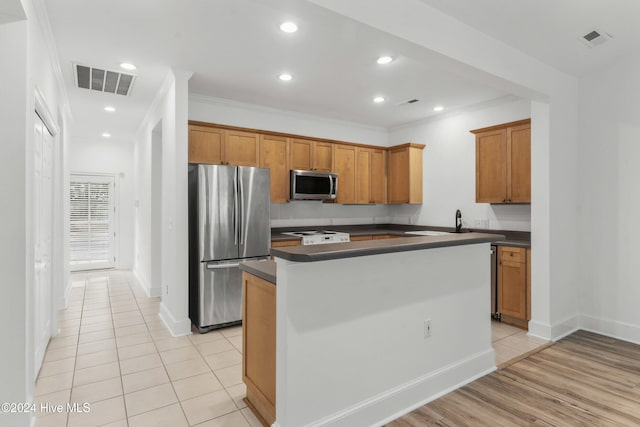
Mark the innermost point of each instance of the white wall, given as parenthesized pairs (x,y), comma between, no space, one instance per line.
(103,156)
(28,64)
(13,242)
(170,107)
(449,167)
(610,199)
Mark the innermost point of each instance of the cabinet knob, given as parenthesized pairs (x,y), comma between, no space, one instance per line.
(504,200)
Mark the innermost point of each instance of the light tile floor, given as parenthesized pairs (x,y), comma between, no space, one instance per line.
(510,342)
(115,353)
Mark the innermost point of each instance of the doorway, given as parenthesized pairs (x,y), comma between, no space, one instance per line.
(92,222)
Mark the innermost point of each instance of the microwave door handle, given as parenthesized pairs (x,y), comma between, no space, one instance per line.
(330,185)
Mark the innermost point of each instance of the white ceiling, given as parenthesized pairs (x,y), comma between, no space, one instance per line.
(236,51)
(10,11)
(549,29)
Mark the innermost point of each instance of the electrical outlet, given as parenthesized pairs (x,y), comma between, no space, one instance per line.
(427,328)
(482,223)
(166,289)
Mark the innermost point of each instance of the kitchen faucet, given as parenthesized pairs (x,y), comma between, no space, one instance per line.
(458,221)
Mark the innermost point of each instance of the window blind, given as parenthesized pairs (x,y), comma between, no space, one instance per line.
(91,228)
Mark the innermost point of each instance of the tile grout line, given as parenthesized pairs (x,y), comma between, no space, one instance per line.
(115,339)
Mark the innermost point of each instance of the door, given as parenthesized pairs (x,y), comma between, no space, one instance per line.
(399,176)
(491,167)
(91,222)
(254,212)
(364,176)
(217,206)
(377,176)
(205,145)
(220,293)
(323,156)
(241,148)
(519,164)
(345,165)
(43,232)
(301,154)
(273,155)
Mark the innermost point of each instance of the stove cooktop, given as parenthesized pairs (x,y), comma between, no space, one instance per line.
(316,237)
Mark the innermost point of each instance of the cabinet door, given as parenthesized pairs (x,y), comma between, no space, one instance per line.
(512,292)
(301,154)
(491,167)
(345,167)
(274,155)
(378,176)
(519,164)
(363,181)
(205,145)
(241,148)
(323,156)
(399,176)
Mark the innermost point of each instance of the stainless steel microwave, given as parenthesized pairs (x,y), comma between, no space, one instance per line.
(312,185)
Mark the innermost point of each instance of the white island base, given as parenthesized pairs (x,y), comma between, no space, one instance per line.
(351,345)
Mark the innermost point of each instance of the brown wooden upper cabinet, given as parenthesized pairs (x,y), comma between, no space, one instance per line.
(210,145)
(405,173)
(371,176)
(310,155)
(503,163)
(345,166)
(274,155)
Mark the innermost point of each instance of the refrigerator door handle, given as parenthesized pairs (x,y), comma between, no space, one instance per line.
(221,266)
(243,213)
(235,211)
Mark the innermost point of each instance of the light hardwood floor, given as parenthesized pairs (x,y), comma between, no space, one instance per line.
(583,380)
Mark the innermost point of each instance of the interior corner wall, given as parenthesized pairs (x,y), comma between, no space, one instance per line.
(13,240)
(610,199)
(449,170)
(111,157)
(170,107)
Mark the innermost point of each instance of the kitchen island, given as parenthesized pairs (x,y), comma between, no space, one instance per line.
(366,331)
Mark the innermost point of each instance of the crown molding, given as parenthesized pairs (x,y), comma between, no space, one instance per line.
(206,99)
(457,111)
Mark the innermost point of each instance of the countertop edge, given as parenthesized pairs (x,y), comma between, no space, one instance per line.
(377,247)
(265,270)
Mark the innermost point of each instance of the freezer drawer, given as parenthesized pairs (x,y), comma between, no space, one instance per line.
(220,294)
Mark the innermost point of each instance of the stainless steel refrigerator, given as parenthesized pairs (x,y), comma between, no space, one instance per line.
(229,222)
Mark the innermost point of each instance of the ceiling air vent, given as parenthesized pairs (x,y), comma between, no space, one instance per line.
(595,38)
(103,80)
(409,101)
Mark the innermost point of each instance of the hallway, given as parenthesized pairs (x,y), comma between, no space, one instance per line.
(115,353)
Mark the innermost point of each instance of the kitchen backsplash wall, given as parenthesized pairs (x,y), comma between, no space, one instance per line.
(310,213)
(449,169)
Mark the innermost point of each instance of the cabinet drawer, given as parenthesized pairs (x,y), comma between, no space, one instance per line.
(508,253)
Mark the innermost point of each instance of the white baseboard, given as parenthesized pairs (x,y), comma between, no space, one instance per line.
(394,403)
(152,292)
(611,328)
(176,327)
(556,331)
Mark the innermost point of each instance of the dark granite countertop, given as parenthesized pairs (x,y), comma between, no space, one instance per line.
(263,269)
(331,251)
(511,238)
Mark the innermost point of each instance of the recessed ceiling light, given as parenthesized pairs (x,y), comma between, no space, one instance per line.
(289,27)
(106,135)
(438,108)
(109,109)
(285,77)
(127,66)
(384,60)
(378,99)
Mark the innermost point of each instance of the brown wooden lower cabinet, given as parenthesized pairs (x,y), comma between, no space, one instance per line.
(514,286)
(259,346)
(385,236)
(359,238)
